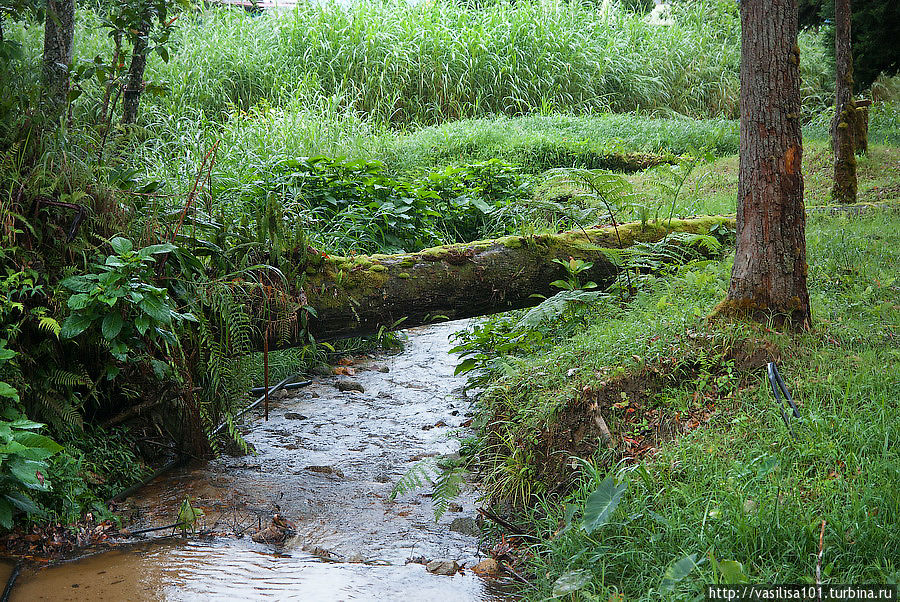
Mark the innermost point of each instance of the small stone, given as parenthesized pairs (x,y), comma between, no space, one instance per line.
(466,526)
(383,369)
(487,568)
(355,557)
(454,507)
(295,416)
(442,567)
(440,423)
(427,427)
(322,370)
(327,470)
(346,384)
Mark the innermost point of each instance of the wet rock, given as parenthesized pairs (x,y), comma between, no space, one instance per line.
(427,427)
(355,557)
(346,384)
(322,370)
(384,395)
(454,413)
(454,507)
(466,526)
(442,567)
(440,423)
(295,416)
(487,568)
(327,470)
(383,369)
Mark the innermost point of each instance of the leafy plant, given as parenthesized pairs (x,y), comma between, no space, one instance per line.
(24,455)
(573,268)
(117,296)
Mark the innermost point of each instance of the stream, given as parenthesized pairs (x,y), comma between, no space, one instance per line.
(327,460)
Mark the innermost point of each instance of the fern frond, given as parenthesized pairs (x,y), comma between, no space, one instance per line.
(50,325)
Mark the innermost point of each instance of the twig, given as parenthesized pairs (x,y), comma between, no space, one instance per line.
(211,157)
(508,568)
(511,527)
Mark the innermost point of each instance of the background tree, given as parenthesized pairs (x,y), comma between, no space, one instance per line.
(844,124)
(769,275)
(59,48)
(874,36)
(140,16)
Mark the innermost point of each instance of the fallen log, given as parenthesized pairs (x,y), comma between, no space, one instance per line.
(353,296)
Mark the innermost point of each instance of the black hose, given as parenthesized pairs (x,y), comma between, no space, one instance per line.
(11,582)
(262,398)
(124,494)
(287,387)
(779,388)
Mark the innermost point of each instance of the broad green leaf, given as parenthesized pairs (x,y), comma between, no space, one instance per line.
(6,354)
(79,301)
(465,366)
(8,391)
(142,323)
(156,249)
(156,309)
(24,423)
(112,325)
(38,442)
(732,572)
(74,325)
(602,503)
(25,471)
(5,514)
(79,284)
(23,502)
(569,582)
(677,571)
(121,245)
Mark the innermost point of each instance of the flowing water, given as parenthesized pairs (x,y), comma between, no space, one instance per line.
(327,460)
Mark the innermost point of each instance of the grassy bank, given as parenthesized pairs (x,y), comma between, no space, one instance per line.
(711,470)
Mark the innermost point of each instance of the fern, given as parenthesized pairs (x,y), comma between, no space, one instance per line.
(48,324)
(415,478)
(445,483)
(552,308)
(446,487)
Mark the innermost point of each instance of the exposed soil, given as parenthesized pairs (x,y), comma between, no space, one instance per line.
(626,413)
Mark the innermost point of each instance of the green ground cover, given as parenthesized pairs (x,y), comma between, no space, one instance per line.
(733,484)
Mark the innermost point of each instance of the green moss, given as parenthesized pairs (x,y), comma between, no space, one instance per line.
(403,275)
(378,268)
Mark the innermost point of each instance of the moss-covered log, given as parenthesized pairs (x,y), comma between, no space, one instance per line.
(358,295)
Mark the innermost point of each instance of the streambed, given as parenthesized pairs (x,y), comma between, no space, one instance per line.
(327,460)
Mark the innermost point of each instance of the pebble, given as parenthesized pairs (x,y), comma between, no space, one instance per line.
(346,384)
(487,568)
(442,567)
(295,416)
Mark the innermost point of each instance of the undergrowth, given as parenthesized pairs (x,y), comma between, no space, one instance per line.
(725,481)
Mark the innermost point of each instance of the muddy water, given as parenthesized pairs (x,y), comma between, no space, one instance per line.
(327,460)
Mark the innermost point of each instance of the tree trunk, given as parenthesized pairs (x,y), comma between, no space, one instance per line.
(768,280)
(845,123)
(359,295)
(132,97)
(59,48)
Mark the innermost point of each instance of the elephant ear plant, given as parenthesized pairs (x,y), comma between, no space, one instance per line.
(24,455)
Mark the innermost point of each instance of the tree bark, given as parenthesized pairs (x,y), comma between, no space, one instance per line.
(59,48)
(845,122)
(360,295)
(131,100)
(768,280)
